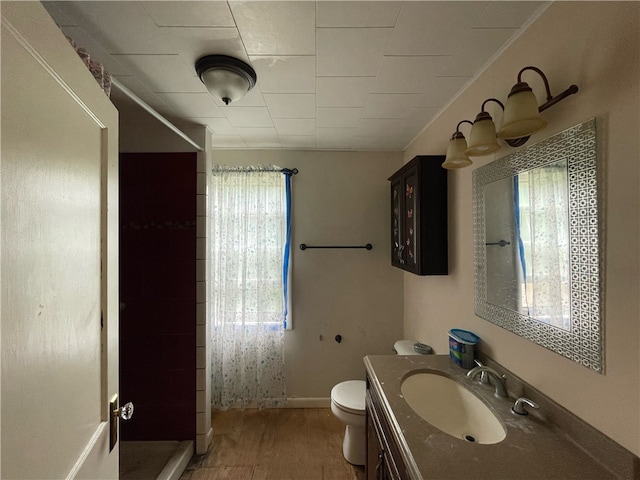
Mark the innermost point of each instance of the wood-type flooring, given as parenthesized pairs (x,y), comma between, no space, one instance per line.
(274,444)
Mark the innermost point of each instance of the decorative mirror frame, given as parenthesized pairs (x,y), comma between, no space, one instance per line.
(584,342)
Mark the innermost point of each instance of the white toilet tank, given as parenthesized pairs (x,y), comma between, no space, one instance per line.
(407,347)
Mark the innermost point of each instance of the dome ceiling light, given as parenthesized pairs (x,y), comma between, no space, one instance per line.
(226,78)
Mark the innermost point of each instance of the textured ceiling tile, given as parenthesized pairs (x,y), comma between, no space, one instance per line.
(218,125)
(189,14)
(61,18)
(347,117)
(196,104)
(120,27)
(299,105)
(508,14)
(228,141)
(261,137)
(276,28)
(295,126)
(343,91)
(475,50)
(373,127)
(408,74)
(162,73)
(298,141)
(334,138)
(194,43)
(441,90)
(379,142)
(389,105)
(418,117)
(142,91)
(433,49)
(357,14)
(355,52)
(285,74)
(432,28)
(96,52)
(248,116)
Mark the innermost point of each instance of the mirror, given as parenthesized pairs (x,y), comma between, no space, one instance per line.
(537,245)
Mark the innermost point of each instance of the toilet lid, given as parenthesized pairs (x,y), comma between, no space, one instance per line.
(404,347)
(350,395)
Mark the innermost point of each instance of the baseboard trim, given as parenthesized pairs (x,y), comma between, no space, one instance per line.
(293,402)
(321,402)
(178,462)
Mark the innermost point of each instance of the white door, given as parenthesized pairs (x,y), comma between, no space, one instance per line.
(59,270)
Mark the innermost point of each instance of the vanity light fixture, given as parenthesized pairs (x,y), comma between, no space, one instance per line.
(482,140)
(521,119)
(456,151)
(226,78)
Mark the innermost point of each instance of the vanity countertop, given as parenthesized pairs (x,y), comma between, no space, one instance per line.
(532,448)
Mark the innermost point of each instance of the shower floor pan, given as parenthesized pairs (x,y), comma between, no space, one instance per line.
(154,460)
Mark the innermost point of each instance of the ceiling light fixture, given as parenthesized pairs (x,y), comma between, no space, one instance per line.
(226,78)
(521,119)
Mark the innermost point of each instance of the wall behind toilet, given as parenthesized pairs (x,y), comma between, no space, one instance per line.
(339,198)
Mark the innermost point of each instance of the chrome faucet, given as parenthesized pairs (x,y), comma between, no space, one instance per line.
(519,406)
(484,376)
(496,379)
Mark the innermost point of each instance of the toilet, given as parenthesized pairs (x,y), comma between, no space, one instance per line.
(347,404)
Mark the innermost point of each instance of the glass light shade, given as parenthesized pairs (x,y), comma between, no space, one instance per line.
(482,140)
(521,114)
(226,85)
(226,78)
(456,156)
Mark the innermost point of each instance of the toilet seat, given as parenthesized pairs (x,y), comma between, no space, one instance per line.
(349,396)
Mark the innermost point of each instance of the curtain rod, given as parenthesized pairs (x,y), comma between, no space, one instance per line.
(154,114)
(252,169)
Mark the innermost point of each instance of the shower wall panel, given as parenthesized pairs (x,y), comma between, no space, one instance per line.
(158,294)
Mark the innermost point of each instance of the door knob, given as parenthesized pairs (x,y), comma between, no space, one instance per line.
(125,412)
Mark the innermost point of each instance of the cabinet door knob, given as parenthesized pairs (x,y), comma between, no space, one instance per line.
(379,465)
(400,254)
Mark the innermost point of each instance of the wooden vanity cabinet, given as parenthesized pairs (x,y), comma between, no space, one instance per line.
(419,216)
(383,456)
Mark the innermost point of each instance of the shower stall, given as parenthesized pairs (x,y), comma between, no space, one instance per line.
(157,312)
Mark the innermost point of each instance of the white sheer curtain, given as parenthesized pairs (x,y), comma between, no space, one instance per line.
(544,213)
(248,229)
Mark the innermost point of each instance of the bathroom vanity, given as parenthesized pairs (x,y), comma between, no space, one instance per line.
(402,445)
(384,455)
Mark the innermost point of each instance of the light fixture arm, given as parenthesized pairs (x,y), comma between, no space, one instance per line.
(551,100)
(458,133)
(492,100)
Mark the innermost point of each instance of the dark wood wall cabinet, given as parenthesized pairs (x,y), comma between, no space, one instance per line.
(419,216)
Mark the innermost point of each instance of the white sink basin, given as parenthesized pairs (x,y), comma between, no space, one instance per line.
(450,407)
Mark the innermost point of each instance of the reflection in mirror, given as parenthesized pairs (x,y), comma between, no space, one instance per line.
(537,254)
(527,254)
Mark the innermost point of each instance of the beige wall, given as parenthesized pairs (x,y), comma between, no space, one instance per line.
(339,198)
(597,46)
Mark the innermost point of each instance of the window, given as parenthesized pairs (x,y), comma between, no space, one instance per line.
(249,270)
